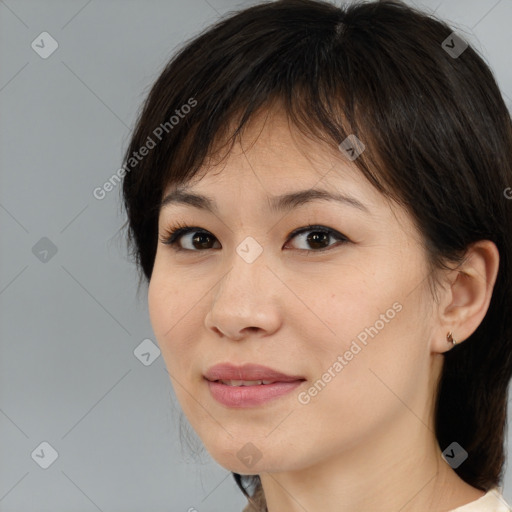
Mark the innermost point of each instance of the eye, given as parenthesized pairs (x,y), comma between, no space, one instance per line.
(174,235)
(316,236)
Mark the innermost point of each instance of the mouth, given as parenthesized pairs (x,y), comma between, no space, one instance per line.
(247,375)
(239,383)
(248,385)
(242,394)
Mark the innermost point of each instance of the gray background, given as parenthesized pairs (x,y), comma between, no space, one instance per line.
(71,321)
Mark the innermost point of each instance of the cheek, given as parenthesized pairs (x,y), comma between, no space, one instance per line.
(167,298)
(174,320)
(164,310)
(384,359)
(368,335)
(158,305)
(352,307)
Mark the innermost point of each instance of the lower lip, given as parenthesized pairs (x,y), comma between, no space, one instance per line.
(249,396)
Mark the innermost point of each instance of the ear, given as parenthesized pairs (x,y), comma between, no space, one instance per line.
(464,303)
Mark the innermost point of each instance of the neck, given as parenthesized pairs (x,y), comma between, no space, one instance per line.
(400,469)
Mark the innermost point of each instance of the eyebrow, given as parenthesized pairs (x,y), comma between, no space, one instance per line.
(276,204)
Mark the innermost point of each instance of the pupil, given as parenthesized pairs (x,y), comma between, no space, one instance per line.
(199,235)
(313,238)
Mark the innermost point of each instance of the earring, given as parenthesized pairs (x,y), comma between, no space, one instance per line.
(450,338)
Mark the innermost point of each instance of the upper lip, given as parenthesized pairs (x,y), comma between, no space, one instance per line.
(228,371)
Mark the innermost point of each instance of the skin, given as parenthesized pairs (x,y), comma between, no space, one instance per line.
(366,441)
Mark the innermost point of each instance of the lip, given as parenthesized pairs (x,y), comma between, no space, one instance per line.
(249,396)
(228,371)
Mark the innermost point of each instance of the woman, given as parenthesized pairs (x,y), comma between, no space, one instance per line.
(317,198)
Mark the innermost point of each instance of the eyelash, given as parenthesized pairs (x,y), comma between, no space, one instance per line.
(172,236)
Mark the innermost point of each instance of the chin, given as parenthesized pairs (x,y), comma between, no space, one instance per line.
(249,460)
(240,457)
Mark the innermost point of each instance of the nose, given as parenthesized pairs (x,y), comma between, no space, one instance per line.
(246,301)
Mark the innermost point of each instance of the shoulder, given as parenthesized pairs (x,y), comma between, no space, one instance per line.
(492,501)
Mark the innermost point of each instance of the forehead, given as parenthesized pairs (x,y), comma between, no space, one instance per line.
(272,151)
(273,168)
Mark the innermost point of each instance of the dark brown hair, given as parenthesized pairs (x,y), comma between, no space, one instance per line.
(438,140)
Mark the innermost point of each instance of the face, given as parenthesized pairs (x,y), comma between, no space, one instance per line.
(343,307)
